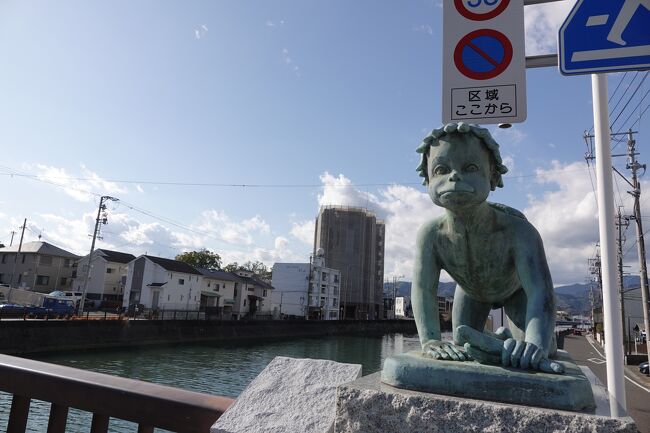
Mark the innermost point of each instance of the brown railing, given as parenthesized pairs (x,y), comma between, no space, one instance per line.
(147,404)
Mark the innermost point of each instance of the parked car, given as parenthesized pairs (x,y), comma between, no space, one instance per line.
(577,331)
(12,310)
(643,368)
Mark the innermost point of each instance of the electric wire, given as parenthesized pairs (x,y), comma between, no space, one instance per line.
(629,100)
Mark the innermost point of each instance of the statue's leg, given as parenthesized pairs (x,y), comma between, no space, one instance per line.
(515,309)
(467,311)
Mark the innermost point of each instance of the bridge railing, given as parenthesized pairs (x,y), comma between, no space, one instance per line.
(146,404)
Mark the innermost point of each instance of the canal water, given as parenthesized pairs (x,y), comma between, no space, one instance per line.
(212,369)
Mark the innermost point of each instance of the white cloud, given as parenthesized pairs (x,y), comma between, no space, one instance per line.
(423,28)
(81,187)
(233,232)
(304,231)
(289,62)
(201,31)
(542,23)
(567,220)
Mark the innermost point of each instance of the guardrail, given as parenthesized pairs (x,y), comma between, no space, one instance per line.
(105,396)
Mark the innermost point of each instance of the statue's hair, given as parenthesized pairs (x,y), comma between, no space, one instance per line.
(483,134)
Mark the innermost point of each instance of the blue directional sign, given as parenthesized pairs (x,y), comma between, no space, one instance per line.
(605,36)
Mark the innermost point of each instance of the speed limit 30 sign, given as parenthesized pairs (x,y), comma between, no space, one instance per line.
(484,61)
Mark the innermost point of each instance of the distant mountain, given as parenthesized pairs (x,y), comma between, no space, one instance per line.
(573,298)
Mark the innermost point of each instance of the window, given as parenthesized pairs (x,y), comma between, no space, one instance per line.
(42,280)
(323,288)
(4,258)
(244,302)
(264,293)
(324,276)
(208,284)
(109,270)
(169,297)
(63,281)
(181,297)
(336,278)
(181,282)
(66,263)
(333,302)
(251,288)
(216,287)
(23,259)
(322,301)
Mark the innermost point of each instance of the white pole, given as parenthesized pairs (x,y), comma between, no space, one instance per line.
(611,308)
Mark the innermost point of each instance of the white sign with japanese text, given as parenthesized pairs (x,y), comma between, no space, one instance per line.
(484,61)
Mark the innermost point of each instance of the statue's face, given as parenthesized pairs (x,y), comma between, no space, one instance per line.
(459,172)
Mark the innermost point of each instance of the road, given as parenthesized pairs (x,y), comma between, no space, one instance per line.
(637,395)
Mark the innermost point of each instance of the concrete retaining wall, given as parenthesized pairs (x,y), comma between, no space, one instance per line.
(23,337)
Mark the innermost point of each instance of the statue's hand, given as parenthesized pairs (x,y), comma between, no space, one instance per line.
(444,350)
(527,356)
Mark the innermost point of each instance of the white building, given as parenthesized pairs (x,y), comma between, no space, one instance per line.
(160,283)
(218,291)
(308,290)
(252,296)
(107,278)
(40,266)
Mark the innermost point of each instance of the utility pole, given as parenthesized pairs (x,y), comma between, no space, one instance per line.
(101,218)
(20,246)
(620,222)
(633,165)
(12,238)
(594,269)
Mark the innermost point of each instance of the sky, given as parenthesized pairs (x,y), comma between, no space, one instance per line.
(226,124)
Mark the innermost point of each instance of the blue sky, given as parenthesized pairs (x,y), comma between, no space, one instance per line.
(308,102)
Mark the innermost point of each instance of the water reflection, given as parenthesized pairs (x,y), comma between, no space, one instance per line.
(223,369)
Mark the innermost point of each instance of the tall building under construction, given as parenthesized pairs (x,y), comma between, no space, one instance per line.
(353,242)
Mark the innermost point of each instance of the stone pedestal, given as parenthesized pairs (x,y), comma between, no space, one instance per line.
(288,396)
(568,391)
(368,406)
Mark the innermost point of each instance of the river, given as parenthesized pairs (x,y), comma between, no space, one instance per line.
(213,369)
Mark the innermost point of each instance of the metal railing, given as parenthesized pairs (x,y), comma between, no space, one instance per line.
(147,404)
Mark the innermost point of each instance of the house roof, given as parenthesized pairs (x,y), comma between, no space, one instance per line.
(174,265)
(116,256)
(219,275)
(256,281)
(39,247)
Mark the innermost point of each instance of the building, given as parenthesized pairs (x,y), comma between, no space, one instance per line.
(40,266)
(107,277)
(218,291)
(252,297)
(353,241)
(159,283)
(307,290)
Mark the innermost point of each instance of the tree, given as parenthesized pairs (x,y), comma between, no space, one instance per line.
(201,259)
(232,267)
(258,268)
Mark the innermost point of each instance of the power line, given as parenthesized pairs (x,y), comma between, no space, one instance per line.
(629,100)
(632,112)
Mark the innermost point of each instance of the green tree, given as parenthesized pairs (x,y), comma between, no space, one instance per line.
(232,267)
(201,259)
(258,268)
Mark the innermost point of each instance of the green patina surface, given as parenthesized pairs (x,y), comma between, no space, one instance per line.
(496,258)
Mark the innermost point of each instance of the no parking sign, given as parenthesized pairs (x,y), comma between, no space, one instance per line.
(484,61)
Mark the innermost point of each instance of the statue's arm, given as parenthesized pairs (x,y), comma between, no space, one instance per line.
(535,277)
(424,291)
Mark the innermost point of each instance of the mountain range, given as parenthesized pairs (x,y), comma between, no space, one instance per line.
(573,298)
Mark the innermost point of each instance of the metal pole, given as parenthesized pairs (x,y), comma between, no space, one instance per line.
(20,246)
(606,225)
(640,242)
(619,256)
(82,301)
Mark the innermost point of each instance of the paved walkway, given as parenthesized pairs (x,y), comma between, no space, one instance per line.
(585,351)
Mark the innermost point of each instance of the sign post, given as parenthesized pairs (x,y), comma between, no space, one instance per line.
(602,36)
(484,61)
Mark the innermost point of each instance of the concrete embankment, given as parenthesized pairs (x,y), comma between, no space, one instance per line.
(19,337)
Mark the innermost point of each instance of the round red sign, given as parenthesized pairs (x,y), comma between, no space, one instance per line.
(480,10)
(483,54)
